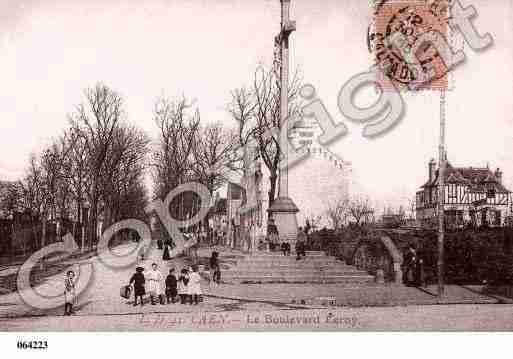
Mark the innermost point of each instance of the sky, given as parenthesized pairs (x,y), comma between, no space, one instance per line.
(51,50)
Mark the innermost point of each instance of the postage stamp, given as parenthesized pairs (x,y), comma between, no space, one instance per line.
(398,42)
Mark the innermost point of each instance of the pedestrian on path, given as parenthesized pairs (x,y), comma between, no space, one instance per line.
(410,266)
(165,255)
(142,253)
(69,293)
(215,268)
(155,280)
(300,244)
(195,285)
(138,281)
(171,286)
(183,282)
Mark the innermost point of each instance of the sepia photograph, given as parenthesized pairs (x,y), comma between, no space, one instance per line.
(255,165)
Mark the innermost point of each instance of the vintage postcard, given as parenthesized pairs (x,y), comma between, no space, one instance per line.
(256,165)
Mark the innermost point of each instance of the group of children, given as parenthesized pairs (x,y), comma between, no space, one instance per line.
(186,287)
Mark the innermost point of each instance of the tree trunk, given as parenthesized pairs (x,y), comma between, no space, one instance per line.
(272,191)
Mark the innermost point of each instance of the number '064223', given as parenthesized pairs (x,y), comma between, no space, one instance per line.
(41,344)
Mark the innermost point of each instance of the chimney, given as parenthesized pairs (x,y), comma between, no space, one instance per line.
(498,175)
(431,167)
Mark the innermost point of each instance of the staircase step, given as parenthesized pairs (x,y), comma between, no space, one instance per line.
(305,264)
(280,254)
(265,273)
(301,279)
(274,267)
(288,259)
(278,267)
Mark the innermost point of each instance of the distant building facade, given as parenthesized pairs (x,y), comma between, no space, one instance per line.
(472,196)
(219,215)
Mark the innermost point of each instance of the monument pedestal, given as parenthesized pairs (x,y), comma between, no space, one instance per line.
(283,212)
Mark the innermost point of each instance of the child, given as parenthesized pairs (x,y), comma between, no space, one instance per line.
(155,279)
(183,282)
(195,285)
(171,283)
(138,280)
(69,293)
(284,248)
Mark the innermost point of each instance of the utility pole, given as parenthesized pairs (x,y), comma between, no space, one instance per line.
(441,197)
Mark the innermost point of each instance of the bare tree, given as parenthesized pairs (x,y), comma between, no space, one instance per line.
(50,163)
(338,212)
(124,175)
(360,209)
(114,153)
(11,197)
(313,221)
(100,159)
(215,155)
(75,169)
(173,157)
(257,112)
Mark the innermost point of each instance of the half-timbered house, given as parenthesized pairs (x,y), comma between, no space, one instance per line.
(472,196)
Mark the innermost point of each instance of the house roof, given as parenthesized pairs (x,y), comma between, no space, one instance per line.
(479,179)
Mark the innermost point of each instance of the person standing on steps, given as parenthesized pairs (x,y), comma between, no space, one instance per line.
(272,234)
(300,244)
(138,281)
(155,280)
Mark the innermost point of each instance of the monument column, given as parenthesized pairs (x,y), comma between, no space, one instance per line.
(283,209)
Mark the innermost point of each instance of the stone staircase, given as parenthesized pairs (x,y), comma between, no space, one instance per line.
(274,267)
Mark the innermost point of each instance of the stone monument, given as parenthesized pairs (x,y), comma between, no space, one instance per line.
(283,210)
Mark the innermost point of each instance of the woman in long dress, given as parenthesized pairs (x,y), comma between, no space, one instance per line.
(195,285)
(155,279)
(69,293)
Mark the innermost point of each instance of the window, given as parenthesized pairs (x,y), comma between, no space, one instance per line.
(497,221)
(453,193)
(490,193)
